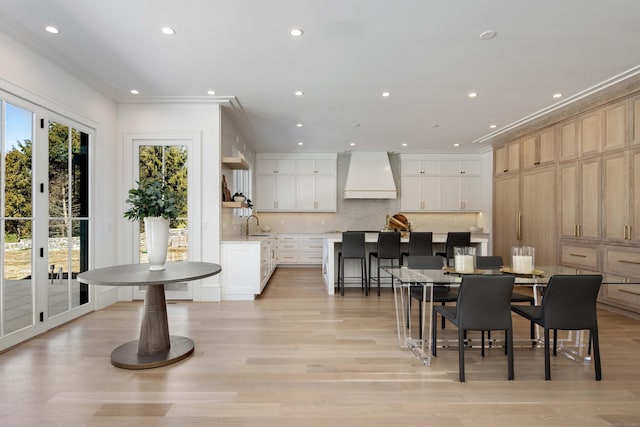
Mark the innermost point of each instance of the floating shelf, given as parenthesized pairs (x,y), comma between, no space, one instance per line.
(235,163)
(235,205)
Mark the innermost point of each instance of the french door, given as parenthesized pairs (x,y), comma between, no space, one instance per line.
(168,159)
(44,220)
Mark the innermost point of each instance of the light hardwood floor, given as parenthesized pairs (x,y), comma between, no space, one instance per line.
(298,357)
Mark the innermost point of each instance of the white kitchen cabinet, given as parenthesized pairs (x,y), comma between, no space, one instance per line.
(302,183)
(247,266)
(440,184)
(300,249)
(316,193)
(276,192)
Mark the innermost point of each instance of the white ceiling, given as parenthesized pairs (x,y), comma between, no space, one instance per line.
(427,53)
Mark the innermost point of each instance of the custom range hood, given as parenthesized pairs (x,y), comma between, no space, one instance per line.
(369,177)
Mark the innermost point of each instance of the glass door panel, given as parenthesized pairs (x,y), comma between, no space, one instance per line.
(68,243)
(169,162)
(17,291)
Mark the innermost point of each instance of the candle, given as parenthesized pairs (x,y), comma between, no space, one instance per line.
(522,264)
(463,263)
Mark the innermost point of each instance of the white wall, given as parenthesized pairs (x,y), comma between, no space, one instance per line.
(171,119)
(29,76)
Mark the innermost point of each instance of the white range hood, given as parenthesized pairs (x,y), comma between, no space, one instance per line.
(369,177)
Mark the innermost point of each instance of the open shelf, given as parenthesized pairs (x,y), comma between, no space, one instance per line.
(235,163)
(235,205)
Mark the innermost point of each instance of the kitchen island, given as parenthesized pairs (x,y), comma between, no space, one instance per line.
(247,264)
(332,243)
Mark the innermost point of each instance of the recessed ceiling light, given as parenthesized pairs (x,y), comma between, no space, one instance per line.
(386,94)
(296,32)
(168,31)
(134,91)
(300,143)
(404,144)
(299,125)
(456,145)
(488,35)
(435,125)
(51,29)
(299,93)
(356,125)
(493,126)
(352,144)
(211,92)
(557,95)
(473,94)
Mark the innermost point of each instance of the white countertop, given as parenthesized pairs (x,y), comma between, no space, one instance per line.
(253,238)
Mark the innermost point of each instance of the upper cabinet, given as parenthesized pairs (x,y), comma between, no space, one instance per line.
(615,126)
(507,158)
(431,183)
(539,149)
(296,182)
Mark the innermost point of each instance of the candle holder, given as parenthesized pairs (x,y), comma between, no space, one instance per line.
(464,259)
(522,259)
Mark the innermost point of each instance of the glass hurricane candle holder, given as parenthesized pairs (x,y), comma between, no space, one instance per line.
(464,259)
(522,259)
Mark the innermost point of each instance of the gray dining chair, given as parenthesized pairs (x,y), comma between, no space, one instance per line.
(352,247)
(484,304)
(388,248)
(569,303)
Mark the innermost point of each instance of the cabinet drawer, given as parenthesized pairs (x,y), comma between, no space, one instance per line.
(626,295)
(580,256)
(288,245)
(310,258)
(288,258)
(622,261)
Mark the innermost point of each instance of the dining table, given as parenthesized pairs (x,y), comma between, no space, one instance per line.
(574,345)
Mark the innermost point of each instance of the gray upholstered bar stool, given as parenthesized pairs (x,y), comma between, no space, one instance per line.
(455,238)
(352,248)
(388,248)
(420,244)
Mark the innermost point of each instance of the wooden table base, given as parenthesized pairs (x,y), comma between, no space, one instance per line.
(127,357)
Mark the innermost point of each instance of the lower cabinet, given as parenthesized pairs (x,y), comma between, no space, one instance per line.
(247,266)
(625,261)
(300,249)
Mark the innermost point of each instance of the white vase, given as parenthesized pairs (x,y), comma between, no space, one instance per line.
(157,236)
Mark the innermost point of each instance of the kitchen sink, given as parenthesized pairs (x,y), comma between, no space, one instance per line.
(258,235)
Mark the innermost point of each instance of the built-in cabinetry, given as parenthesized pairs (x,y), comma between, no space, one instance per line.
(295,182)
(436,183)
(525,214)
(235,163)
(596,164)
(300,249)
(247,265)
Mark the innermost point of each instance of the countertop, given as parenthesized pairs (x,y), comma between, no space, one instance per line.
(370,236)
(252,238)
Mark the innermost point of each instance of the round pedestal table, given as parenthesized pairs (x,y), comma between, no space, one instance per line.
(155,347)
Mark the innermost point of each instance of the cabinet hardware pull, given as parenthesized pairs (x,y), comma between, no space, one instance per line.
(578,255)
(579,230)
(626,235)
(625,261)
(519,227)
(506,170)
(575,230)
(536,163)
(630,228)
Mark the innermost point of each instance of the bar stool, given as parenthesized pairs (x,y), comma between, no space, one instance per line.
(420,244)
(352,248)
(388,248)
(455,238)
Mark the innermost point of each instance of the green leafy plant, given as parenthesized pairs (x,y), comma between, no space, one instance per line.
(152,198)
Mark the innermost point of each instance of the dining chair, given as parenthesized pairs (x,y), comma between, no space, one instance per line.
(388,248)
(495,262)
(420,244)
(352,248)
(454,238)
(484,304)
(569,303)
(441,293)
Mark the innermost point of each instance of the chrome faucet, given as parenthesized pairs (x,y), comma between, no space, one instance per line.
(246,228)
